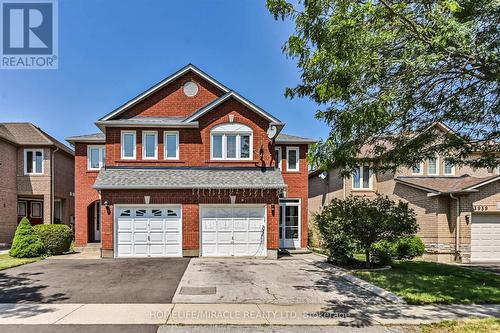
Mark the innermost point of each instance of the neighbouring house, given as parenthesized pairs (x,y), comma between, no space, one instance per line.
(188,168)
(457,207)
(36,178)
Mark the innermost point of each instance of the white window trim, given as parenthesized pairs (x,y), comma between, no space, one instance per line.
(370,182)
(224,146)
(144,133)
(41,209)
(452,173)
(34,164)
(280,156)
(102,156)
(176,133)
(298,159)
(122,147)
(437,167)
(421,173)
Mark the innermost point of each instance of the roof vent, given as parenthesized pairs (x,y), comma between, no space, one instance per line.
(190,89)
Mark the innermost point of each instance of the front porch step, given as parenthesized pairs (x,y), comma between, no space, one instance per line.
(295,251)
(89,248)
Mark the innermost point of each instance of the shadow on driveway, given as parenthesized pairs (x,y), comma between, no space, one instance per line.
(93,281)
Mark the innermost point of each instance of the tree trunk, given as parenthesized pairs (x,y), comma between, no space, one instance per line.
(367,257)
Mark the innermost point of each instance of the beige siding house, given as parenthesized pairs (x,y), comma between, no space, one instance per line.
(438,192)
(36,178)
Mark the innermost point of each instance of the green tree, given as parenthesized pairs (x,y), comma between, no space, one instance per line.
(357,223)
(384,71)
(26,243)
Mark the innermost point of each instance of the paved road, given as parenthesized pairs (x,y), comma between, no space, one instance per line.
(93,281)
(197,329)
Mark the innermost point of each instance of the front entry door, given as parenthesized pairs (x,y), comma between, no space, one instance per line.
(97,221)
(290,223)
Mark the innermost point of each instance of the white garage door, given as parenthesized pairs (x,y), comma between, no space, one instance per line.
(233,231)
(485,238)
(149,231)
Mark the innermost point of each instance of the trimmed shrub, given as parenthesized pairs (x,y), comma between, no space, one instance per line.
(409,247)
(56,238)
(27,243)
(383,252)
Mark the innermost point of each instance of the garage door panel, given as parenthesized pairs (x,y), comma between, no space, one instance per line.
(485,237)
(151,231)
(234,231)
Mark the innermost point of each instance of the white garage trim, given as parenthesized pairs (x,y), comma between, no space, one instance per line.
(485,238)
(262,247)
(119,207)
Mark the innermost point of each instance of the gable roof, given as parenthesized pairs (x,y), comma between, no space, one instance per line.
(444,185)
(27,134)
(161,84)
(232,94)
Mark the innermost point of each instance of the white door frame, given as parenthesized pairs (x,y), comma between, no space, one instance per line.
(115,222)
(200,226)
(97,232)
(292,243)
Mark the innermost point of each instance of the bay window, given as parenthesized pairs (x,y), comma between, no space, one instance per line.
(231,142)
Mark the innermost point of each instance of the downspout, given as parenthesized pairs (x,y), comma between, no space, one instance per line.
(52,184)
(457,230)
(343,187)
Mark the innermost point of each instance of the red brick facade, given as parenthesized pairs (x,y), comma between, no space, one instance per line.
(194,150)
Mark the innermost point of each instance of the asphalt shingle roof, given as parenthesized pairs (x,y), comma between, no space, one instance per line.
(189,178)
(291,139)
(27,134)
(94,137)
(445,184)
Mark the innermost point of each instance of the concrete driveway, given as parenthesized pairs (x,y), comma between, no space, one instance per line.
(93,281)
(294,280)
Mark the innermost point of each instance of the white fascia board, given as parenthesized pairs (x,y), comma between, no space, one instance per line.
(160,85)
(166,187)
(483,183)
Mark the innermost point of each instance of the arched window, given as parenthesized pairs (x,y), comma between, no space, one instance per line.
(231,141)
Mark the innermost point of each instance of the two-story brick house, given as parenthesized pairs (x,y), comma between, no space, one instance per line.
(188,168)
(457,207)
(36,178)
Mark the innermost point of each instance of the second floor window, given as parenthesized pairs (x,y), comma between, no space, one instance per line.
(33,161)
(449,169)
(171,143)
(418,169)
(432,166)
(292,159)
(96,157)
(277,158)
(231,142)
(128,145)
(149,145)
(362,178)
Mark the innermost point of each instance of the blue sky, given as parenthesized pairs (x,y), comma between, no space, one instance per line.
(110,51)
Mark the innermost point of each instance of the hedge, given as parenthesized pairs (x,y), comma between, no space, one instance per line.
(56,238)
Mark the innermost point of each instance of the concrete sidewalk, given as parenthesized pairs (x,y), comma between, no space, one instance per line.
(238,314)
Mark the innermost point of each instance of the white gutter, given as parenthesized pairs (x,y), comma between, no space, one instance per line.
(457,230)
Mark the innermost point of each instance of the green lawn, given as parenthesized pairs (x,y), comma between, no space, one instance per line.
(488,325)
(419,282)
(7,261)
